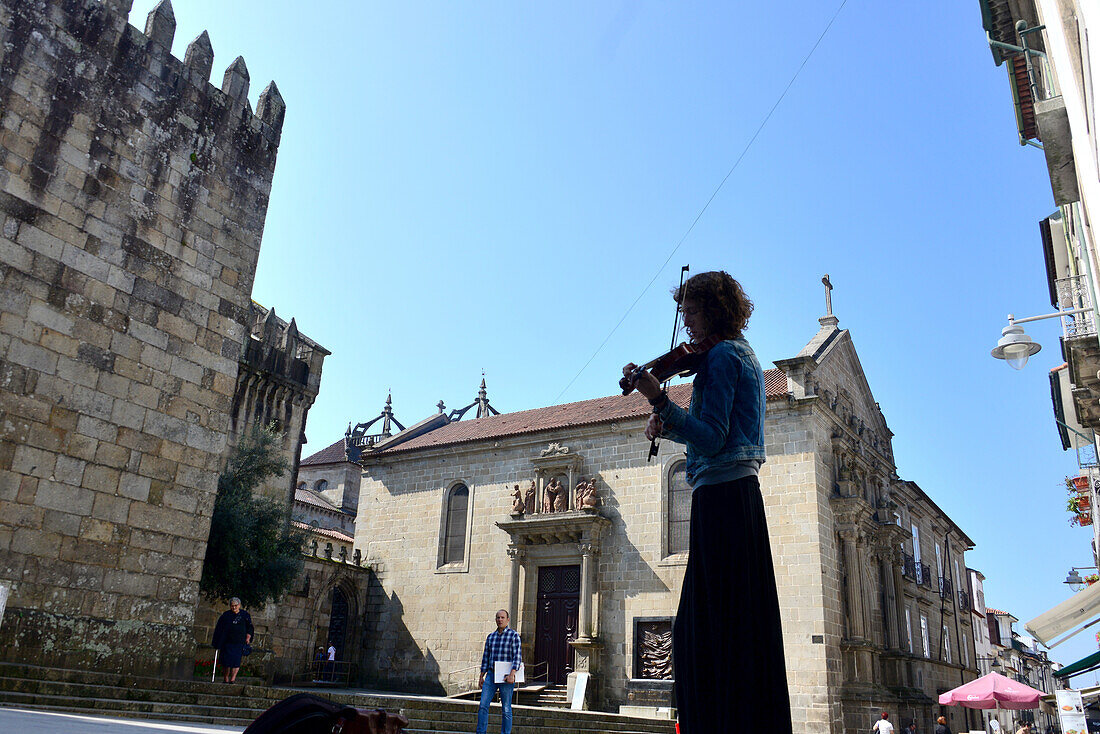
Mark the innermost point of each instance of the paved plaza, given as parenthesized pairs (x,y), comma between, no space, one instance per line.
(22,721)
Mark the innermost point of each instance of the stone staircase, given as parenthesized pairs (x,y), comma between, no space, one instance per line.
(110,694)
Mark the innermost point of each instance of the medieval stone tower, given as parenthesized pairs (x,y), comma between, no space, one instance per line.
(132,202)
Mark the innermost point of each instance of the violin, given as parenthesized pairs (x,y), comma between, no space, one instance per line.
(681,361)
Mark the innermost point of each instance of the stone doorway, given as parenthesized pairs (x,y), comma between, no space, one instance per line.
(558,604)
(338,622)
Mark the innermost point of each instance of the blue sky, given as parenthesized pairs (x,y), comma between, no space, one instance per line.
(489,186)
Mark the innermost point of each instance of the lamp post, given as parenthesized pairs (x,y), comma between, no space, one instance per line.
(1015,347)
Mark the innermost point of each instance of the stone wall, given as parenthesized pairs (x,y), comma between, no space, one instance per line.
(132,198)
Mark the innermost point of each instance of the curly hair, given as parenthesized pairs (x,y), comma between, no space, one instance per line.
(726,308)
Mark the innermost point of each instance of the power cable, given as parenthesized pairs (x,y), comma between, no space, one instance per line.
(712,196)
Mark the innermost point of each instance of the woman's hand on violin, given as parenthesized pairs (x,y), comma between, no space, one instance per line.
(654,426)
(644,382)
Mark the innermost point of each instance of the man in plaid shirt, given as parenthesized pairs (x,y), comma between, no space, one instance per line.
(501,645)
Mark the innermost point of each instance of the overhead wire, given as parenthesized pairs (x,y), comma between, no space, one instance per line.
(714,194)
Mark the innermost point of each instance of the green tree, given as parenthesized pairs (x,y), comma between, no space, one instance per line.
(253,552)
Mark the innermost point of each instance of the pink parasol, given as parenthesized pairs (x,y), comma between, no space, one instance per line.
(993,691)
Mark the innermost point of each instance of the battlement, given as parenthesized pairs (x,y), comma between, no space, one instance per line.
(104,25)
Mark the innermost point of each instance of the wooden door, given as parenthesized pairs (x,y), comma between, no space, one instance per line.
(558,600)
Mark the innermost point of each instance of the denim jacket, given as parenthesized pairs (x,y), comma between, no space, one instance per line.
(725,421)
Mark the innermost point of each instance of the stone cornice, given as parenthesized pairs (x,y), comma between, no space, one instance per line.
(573,526)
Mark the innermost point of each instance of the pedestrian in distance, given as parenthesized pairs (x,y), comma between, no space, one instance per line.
(729,608)
(330,663)
(502,645)
(883,725)
(912,728)
(232,634)
(941,726)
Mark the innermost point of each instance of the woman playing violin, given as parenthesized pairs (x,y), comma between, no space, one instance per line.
(727,639)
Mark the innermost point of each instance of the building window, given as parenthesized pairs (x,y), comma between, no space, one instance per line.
(924,636)
(965,651)
(909,628)
(946,644)
(302,485)
(679,509)
(454,537)
(320,486)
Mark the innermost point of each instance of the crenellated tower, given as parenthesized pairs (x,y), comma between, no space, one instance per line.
(133,195)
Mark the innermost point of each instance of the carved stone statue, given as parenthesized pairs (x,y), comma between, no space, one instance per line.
(585,497)
(517,501)
(529,499)
(561,499)
(550,495)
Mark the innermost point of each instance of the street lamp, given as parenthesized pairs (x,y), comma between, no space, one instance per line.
(1015,346)
(1074,580)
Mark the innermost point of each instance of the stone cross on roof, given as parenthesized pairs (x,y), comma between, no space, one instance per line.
(828,319)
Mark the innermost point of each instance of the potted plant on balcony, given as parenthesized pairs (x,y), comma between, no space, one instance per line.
(1078,507)
(1080,484)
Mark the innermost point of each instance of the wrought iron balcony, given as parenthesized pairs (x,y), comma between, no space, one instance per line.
(924,575)
(908,567)
(945,587)
(964,601)
(1073,293)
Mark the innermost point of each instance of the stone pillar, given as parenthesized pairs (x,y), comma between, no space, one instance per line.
(893,630)
(516,554)
(584,621)
(899,603)
(855,586)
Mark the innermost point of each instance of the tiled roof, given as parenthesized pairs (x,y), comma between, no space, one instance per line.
(991,610)
(323,532)
(309,497)
(586,412)
(333,454)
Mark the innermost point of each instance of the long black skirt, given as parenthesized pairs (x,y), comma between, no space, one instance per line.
(727,647)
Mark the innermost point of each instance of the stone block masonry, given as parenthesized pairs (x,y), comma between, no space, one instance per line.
(132,202)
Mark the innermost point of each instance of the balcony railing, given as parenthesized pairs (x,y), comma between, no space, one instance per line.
(945,587)
(924,575)
(909,567)
(1073,293)
(964,601)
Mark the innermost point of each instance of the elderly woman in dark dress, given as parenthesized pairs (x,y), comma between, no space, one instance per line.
(233,631)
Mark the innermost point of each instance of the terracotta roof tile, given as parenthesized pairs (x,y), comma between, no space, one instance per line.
(333,454)
(309,497)
(585,412)
(323,532)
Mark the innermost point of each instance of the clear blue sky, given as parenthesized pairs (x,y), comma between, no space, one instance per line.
(489,186)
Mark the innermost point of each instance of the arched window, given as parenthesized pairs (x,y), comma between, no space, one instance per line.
(679,509)
(321,485)
(302,485)
(454,538)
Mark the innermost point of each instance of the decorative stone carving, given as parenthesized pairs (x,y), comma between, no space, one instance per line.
(585,496)
(328,551)
(561,498)
(529,499)
(555,449)
(552,497)
(655,651)
(517,501)
(357,557)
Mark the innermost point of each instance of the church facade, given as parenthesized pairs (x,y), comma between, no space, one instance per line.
(556,515)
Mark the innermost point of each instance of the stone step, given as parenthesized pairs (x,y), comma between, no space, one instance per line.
(238,704)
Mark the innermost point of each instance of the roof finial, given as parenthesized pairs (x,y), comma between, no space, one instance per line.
(441,406)
(828,319)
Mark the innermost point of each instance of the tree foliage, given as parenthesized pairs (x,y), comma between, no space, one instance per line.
(252,553)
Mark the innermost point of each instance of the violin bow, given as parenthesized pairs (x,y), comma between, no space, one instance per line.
(672,345)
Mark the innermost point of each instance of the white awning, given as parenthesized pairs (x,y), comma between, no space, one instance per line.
(1068,618)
